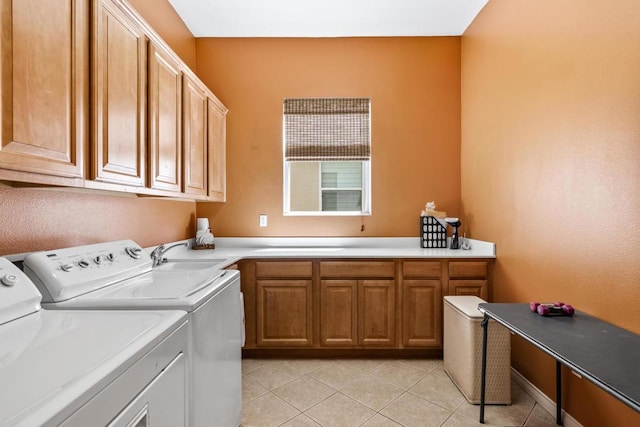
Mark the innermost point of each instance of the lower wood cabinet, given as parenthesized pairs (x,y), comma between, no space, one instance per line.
(376,313)
(338,313)
(284,313)
(478,288)
(356,313)
(422,313)
(422,293)
(469,278)
(354,304)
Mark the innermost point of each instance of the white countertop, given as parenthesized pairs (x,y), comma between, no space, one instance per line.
(232,249)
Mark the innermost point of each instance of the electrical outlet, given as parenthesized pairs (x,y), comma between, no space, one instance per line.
(263,220)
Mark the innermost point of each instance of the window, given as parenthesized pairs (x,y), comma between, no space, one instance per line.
(327,156)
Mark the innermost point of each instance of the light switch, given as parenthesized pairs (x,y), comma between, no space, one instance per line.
(263,220)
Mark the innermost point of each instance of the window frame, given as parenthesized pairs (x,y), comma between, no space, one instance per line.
(366,192)
(366,209)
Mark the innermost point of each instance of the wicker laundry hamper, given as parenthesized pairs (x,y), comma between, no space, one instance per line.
(462,351)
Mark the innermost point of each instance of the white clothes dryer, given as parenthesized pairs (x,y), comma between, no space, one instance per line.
(81,368)
(119,275)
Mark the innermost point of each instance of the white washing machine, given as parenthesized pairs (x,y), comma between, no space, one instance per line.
(119,275)
(87,368)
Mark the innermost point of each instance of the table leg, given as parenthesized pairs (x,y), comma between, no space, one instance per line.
(483,374)
(558,393)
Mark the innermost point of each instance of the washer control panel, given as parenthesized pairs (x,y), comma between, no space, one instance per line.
(62,274)
(18,295)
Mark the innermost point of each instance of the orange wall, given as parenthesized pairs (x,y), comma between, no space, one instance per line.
(551,166)
(414,84)
(165,21)
(40,219)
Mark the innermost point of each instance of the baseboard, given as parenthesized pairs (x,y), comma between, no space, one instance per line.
(542,399)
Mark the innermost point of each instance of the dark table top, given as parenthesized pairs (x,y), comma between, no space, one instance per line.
(605,354)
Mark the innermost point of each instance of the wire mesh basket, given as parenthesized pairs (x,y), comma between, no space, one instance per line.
(432,233)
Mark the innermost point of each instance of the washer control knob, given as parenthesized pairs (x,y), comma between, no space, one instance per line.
(133,252)
(83,264)
(110,257)
(66,267)
(9,279)
(98,260)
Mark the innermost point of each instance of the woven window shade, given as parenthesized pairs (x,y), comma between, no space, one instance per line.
(327,129)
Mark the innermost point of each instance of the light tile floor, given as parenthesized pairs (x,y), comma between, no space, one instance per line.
(368,393)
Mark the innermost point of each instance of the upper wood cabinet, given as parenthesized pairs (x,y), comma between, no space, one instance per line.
(93,97)
(165,120)
(44,60)
(217,137)
(119,97)
(195,139)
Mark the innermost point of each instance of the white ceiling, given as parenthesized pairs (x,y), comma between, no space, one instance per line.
(327,18)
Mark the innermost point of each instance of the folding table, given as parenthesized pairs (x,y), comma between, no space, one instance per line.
(598,351)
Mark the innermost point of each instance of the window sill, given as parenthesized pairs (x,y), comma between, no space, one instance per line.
(326,213)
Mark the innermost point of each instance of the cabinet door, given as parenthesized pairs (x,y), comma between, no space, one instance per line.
(217,137)
(478,288)
(195,139)
(338,308)
(284,313)
(421,313)
(119,97)
(44,61)
(165,121)
(376,312)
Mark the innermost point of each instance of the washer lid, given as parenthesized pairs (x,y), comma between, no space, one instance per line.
(156,290)
(18,295)
(163,285)
(52,361)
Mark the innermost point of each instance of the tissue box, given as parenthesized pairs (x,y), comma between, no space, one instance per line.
(432,233)
(206,246)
